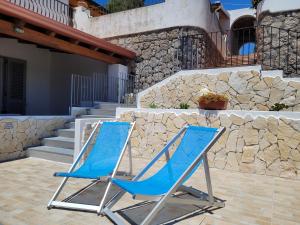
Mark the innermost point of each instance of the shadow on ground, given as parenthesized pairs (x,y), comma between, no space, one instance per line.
(134,214)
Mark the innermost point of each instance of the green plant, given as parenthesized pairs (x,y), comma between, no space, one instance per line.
(152,105)
(278,107)
(212,97)
(121,5)
(255,3)
(184,106)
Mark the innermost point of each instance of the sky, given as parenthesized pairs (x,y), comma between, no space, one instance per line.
(103,2)
(228,4)
(236,4)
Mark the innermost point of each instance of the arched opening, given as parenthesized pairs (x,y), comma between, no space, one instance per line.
(247,48)
(243,36)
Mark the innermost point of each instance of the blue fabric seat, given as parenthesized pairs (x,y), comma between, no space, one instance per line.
(193,143)
(104,155)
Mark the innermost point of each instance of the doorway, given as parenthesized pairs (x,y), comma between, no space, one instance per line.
(12,86)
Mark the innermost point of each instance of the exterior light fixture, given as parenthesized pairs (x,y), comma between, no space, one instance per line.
(19,30)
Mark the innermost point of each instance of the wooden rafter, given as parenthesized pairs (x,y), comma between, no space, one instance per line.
(14,11)
(28,34)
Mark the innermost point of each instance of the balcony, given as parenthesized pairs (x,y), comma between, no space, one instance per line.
(53,9)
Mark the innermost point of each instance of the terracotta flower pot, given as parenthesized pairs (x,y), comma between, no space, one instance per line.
(219,105)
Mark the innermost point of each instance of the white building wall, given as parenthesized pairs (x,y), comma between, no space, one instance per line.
(62,67)
(172,13)
(240,13)
(274,6)
(81,18)
(37,74)
(48,75)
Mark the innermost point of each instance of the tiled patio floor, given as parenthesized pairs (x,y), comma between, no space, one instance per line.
(27,185)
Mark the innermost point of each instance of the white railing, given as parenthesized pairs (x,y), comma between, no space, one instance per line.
(53,9)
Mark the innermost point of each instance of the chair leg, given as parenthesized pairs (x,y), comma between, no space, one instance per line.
(208,180)
(115,199)
(130,158)
(59,189)
(155,210)
(104,198)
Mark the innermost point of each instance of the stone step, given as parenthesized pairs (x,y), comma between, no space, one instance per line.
(70,125)
(100,117)
(51,153)
(60,142)
(109,112)
(69,133)
(106,105)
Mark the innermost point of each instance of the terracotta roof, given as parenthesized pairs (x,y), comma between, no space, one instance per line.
(29,17)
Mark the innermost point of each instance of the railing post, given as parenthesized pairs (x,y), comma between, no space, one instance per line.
(297,52)
(271,43)
(71,101)
(288,51)
(279,47)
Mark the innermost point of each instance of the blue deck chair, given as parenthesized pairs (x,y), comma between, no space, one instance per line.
(189,155)
(102,161)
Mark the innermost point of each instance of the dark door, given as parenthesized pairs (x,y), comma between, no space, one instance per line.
(14,86)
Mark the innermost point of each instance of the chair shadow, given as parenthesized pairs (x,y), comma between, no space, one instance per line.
(135,214)
(169,215)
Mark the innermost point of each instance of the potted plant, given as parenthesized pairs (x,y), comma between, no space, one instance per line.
(213,101)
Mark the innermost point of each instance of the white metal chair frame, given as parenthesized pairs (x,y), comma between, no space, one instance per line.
(168,197)
(91,208)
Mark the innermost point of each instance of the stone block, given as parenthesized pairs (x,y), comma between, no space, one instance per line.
(249,153)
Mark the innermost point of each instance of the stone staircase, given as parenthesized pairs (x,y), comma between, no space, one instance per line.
(61,147)
(105,110)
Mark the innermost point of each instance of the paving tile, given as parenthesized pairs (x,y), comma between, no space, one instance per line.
(27,185)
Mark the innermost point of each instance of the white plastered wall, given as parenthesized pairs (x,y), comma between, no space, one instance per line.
(37,73)
(274,6)
(171,13)
(48,75)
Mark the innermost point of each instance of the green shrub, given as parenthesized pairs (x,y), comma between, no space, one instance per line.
(184,106)
(122,5)
(278,107)
(152,105)
(255,3)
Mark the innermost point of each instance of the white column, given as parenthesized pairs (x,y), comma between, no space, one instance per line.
(117,74)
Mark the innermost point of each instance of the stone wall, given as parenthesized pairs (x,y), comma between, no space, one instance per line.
(246,90)
(278,41)
(267,144)
(162,53)
(19,133)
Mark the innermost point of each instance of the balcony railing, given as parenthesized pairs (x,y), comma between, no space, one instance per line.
(119,6)
(86,90)
(218,49)
(273,48)
(53,9)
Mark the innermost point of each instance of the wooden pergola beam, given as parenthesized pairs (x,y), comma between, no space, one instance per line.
(9,9)
(8,28)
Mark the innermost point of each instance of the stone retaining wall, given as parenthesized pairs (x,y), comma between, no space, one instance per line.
(263,145)
(160,53)
(246,90)
(19,133)
(278,47)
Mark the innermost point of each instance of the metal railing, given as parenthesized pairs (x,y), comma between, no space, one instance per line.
(273,48)
(53,9)
(279,48)
(119,6)
(86,90)
(217,49)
